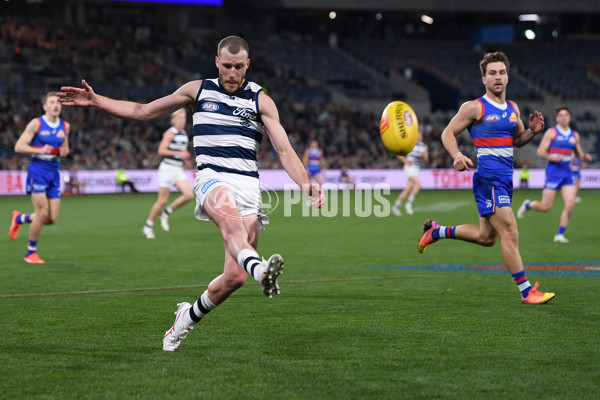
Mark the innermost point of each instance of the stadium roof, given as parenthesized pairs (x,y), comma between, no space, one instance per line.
(516,6)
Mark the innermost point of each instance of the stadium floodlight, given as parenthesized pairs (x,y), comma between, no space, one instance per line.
(529,17)
(427,19)
(529,34)
(332,15)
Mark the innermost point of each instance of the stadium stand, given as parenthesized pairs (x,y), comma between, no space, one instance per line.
(306,74)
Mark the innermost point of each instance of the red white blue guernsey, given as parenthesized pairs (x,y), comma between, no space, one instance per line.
(314,161)
(43,174)
(563,145)
(559,174)
(53,134)
(492,136)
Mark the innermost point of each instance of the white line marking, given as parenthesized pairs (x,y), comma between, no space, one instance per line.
(158,289)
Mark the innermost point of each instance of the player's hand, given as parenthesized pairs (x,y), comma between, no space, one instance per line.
(63,151)
(462,163)
(185,154)
(71,96)
(314,192)
(46,149)
(536,123)
(555,158)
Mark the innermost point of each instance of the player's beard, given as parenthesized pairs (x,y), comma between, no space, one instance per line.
(497,91)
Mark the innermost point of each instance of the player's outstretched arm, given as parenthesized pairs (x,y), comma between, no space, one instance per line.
(289,159)
(86,97)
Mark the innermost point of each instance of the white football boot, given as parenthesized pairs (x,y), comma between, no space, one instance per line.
(148,232)
(560,239)
(164,221)
(523,209)
(181,327)
(268,282)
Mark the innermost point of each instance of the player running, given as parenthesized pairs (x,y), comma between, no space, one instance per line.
(495,127)
(46,139)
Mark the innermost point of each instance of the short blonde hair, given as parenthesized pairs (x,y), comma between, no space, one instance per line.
(181,110)
(48,95)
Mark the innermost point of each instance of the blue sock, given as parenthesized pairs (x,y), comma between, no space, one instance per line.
(522,283)
(528,205)
(444,232)
(23,219)
(31,248)
(561,230)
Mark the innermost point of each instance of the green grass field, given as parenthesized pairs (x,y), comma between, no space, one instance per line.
(89,323)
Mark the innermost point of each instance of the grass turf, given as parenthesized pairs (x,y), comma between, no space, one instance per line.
(89,323)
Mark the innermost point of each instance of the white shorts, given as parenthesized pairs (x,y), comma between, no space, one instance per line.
(169,174)
(245,190)
(411,170)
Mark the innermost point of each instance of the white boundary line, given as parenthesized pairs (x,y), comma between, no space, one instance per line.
(158,289)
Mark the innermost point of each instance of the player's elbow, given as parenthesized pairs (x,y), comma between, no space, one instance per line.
(19,148)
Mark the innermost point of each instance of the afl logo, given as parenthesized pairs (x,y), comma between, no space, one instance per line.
(208,106)
(492,118)
(408,119)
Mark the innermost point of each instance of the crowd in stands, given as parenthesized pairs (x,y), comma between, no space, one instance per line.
(125,61)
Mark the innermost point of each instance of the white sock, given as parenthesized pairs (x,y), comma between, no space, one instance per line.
(201,308)
(149,223)
(252,263)
(411,198)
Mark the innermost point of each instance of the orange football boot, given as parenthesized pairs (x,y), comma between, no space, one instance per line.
(13,231)
(535,297)
(427,238)
(33,258)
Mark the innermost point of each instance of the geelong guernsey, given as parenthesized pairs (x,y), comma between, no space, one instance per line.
(179,143)
(416,155)
(492,136)
(227,128)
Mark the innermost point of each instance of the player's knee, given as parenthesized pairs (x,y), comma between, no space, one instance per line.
(570,204)
(234,282)
(487,241)
(160,203)
(544,207)
(188,196)
(511,235)
(43,215)
(50,220)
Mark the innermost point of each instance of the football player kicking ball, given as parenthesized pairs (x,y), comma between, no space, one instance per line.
(495,127)
(228,129)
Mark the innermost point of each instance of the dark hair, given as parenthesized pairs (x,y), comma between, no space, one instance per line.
(234,44)
(560,108)
(497,56)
